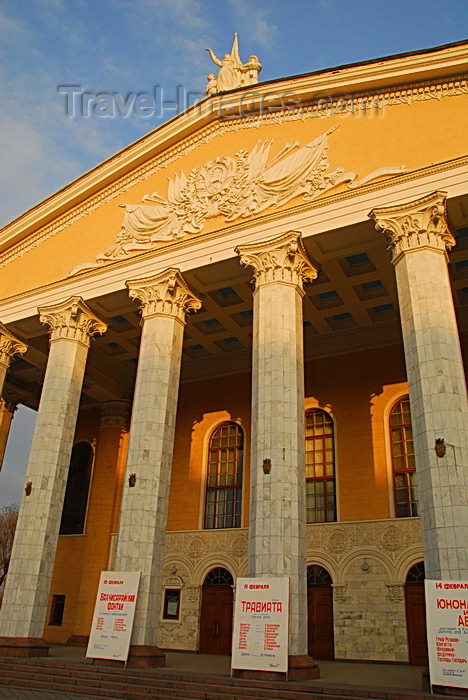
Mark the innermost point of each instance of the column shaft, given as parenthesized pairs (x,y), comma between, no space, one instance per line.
(144,507)
(28,583)
(277,543)
(277,537)
(142,529)
(29,577)
(6,416)
(418,236)
(438,409)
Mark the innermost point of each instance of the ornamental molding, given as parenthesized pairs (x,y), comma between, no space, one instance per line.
(404,94)
(9,346)
(413,225)
(281,259)
(345,541)
(71,320)
(395,544)
(165,294)
(234,188)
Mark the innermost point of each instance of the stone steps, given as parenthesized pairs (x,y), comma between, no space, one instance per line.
(142,684)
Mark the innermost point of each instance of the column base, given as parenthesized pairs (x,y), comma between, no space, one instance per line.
(78,640)
(145,656)
(300,668)
(140,656)
(23,646)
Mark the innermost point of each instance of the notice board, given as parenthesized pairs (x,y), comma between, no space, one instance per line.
(113,615)
(447,632)
(260,638)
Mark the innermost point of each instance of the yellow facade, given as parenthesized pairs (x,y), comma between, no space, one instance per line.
(393,133)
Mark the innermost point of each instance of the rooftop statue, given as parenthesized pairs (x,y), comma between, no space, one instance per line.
(232,72)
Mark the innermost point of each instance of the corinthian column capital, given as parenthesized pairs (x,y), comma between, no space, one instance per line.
(281,259)
(9,346)
(71,319)
(418,224)
(165,294)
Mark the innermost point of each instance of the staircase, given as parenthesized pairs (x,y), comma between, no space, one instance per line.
(41,674)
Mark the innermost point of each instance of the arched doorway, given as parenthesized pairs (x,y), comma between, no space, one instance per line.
(216,612)
(415,603)
(321,643)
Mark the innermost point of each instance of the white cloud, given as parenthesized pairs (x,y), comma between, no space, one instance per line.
(254,22)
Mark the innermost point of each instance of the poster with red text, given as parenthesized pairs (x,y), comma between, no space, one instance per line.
(447,632)
(113,615)
(260,639)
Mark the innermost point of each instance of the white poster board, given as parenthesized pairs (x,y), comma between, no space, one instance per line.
(260,639)
(447,632)
(113,615)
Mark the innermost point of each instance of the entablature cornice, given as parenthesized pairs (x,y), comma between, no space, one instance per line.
(398,79)
(333,212)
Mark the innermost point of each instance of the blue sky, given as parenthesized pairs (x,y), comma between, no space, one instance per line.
(129,46)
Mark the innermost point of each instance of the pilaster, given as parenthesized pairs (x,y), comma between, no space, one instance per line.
(277,538)
(103,508)
(419,236)
(165,300)
(72,324)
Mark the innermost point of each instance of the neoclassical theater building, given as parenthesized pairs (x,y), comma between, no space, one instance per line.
(245,337)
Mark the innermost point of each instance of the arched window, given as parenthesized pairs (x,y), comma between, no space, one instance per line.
(416,574)
(404,468)
(223,504)
(76,493)
(320,467)
(219,577)
(317,576)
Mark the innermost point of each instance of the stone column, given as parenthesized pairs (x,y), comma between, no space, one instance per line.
(24,608)
(9,346)
(7,410)
(277,534)
(418,237)
(165,299)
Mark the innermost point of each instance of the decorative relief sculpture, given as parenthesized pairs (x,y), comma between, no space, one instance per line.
(234,188)
(232,72)
(396,592)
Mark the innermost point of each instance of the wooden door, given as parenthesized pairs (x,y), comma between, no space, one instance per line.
(416,623)
(216,620)
(320,622)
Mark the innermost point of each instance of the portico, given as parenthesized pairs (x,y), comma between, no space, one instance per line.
(327,328)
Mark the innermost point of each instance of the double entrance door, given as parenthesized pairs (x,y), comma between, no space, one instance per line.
(216,619)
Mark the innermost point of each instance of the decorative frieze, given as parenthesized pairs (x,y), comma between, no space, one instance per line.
(403,94)
(71,320)
(164,294)
(417,224)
